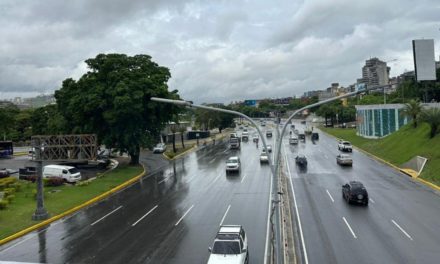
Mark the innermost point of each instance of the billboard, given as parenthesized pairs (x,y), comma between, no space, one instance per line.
(250,102)
(360,86)
(424,63)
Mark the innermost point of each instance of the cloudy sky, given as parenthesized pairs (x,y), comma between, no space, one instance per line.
(217,51)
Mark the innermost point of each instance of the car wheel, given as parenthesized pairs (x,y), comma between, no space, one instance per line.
(366,203)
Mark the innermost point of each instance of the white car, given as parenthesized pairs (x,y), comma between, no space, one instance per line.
(230,246)
(344,159)
(233,164)
(159,148)
(345,146)
(293,140)
(264,158)
(68,173)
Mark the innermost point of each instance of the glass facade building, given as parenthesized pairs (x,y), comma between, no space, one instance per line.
(376,121)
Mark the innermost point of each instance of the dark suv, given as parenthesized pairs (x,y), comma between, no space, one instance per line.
(355,192)
(301,160)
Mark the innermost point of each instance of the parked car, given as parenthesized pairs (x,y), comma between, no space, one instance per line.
(68,173)
(345,146)
(344,159)
(160,148)
(355,192)
(301,160)
(230,246)
(233,164)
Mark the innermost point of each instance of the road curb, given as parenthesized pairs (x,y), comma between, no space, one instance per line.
(181,154)
(404,171)
(18,154)
(72,210)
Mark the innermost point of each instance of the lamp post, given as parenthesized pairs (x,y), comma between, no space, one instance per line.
(40,213)
(273,165)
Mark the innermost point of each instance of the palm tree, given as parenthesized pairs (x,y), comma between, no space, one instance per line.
(413,109)
(432,117)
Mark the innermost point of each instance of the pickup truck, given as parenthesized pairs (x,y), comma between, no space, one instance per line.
(345,146)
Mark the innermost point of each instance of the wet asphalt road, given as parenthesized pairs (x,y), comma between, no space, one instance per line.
(171,216)
(400,225)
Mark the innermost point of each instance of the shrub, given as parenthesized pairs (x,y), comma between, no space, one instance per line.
(10,198)
(3,204)
(82,183)
(16,186)
(53,181)
(9,191)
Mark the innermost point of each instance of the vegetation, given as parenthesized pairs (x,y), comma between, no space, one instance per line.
(432,117)
(400,147)
(113,101)
(413,109)
(206,119)
(57,199)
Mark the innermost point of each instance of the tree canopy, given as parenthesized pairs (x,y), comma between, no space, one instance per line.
(113,101)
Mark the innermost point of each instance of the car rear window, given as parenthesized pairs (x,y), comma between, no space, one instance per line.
(226,247)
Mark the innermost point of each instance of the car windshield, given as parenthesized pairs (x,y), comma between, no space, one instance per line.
(231,161)
(226,247)
(346,143)
(73,170)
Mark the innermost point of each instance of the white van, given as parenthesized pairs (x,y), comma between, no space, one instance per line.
(70,174)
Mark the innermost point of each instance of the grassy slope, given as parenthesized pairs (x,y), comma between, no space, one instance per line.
(18,215)
(400,147)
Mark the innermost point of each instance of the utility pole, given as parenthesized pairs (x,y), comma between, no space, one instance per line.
(40,213)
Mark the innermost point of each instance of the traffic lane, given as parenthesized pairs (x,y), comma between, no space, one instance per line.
(430,241)
(399,197)
(199,230)
(323,224)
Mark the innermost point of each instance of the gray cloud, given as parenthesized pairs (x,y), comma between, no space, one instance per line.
(218,51)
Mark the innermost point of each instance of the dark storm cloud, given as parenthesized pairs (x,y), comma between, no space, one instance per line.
(217,51)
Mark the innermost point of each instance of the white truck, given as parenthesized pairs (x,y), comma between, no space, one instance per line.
(68,173)
(345,146)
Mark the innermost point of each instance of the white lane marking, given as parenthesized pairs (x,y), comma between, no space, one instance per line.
(224,216)
(330,196)
(106,215)
(187,211)
(226,150)
(349,227)
(372,200)
(166,178)
(401,229)
(211,161)
(268,222)
(243,178)
(298,218)
(325,156)
(149,212)
(319,149)
(216,178)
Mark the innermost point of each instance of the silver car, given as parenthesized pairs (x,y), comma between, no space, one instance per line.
(160,148)
(344,159)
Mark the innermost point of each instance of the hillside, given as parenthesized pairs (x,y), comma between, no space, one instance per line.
(400,147)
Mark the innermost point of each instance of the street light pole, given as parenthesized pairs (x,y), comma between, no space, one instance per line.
(40,213)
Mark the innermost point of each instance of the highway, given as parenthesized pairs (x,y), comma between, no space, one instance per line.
(173,214)
(170,216)
(400,225)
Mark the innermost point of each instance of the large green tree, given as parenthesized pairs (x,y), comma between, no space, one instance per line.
(113,100)
(7,120)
